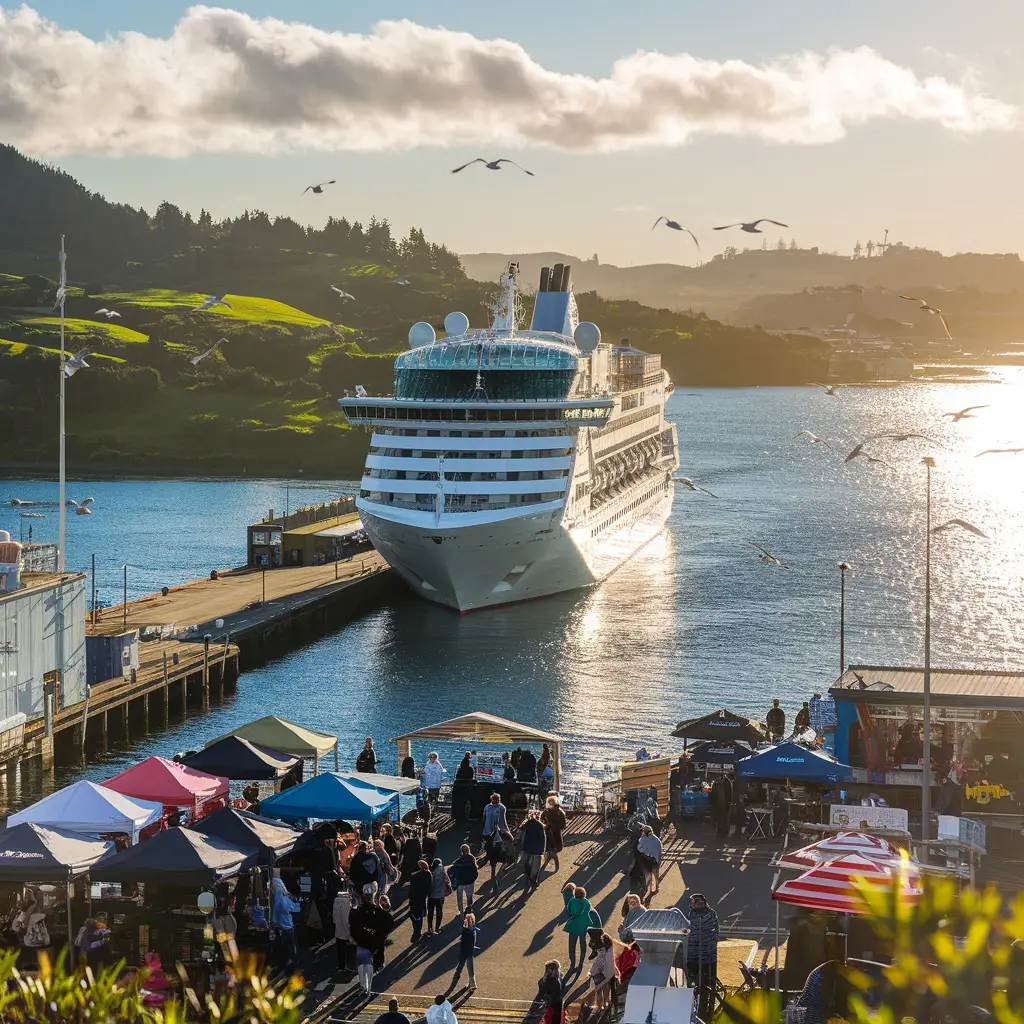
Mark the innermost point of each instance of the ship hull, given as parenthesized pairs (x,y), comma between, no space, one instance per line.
(480,566)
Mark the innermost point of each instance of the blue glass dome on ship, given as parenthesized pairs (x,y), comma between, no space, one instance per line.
(533,367)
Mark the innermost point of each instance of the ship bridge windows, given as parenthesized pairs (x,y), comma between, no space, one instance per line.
(495,385)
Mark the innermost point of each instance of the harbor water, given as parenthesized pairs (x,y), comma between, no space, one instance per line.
(696,621)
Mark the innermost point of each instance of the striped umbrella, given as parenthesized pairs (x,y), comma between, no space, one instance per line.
(832,885)
(872,847)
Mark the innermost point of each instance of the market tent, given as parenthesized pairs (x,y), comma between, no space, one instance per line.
(721,725)
(390,783)
(792,761)
(234,757)
(478,727)
(727,752)
(177,856)
(280,734)
(172,784)
(330,796)
(871,847)
(88,809)
(36,853)
(242,829)
(834,885)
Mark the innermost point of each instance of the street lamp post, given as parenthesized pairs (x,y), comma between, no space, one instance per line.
(844,568)
(926,752)
(62,512)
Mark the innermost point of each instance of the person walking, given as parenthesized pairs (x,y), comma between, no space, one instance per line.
(463,874)
(412,852)
(495,826)
(363,870)
(341,912)
(554,822)
(420,884)
(441,1012)
(648,853)
(603,974)
(370,925)
(367,759)
(393,1016)
(775,720)
(533,849)
(282,908)
(387,874)
(550,992)
(702,954)
(721,802)
(439,888)
(467,951)
(433,774)
(577,920)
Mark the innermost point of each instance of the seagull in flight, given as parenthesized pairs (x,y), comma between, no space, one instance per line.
(928,308)
(859,453)
(317,189)
(767,557)
(76,362)
(342,294)
(963,524)
(814,439)
(999,451)
(108,313)
(830,389)
(492,165)
(676,226)
(82,509)
(690,485)
(964,414)
(751,225)
(403,282)
(210,301)
(196,360)
(909,436)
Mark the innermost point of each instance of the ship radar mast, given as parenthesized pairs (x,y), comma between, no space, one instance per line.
(507,309)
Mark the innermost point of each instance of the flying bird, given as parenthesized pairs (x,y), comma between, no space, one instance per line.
(830,389)
(403,281)
(82,509)
(492,165)
(317,189)
(196,360)
(767,557)
(102,312)
(814,439)
(751,226)
(999,451)
(342,294)
(859,453)
(964,414)
(76,362)
(210,301)
(928,308)
(676,226)
(905,437)
(690,485)
(963,524)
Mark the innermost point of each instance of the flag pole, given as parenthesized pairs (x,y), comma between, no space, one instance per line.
(63,356)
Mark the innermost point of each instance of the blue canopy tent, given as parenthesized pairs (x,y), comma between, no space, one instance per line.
(330,796)
(792,761)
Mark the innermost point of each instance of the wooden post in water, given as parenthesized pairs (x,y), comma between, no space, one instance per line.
(85,716)
(206,671)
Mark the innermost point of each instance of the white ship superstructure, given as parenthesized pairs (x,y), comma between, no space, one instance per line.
(510,464)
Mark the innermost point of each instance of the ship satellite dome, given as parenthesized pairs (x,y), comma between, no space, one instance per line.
(456,323)
(587,336)
(421,334)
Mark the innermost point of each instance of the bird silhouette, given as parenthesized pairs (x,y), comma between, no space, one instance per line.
(82,509)
(751,225)
(76,362)
(906,436)
(767,557)
(830,389)
(403,282)
(814,439)
(690,485)
(342,294)
(964,414)
(317,189)
(676,226)
(999,451)
(928,308)
(210,301)
(963,524)
(859,453)
(492,165)
(196,360)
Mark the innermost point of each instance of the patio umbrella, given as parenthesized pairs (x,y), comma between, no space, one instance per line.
(721,725)
(832,885)
(723,752)
(872,847)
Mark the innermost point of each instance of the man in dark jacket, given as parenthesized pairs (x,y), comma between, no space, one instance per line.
(803,717)
(419,891)
(533,848)
(776,721)
(527,770)
(463,874)
(363,870)
(702,954)
(721,802)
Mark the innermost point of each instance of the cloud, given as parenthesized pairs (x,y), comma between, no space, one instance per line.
(224,81)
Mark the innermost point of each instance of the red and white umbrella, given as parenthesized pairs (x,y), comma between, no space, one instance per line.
(832,885)
(872,847)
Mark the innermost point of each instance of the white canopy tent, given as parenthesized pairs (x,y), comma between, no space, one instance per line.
(480,727)
(90,810)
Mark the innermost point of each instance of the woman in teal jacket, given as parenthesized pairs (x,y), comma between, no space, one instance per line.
(577,912)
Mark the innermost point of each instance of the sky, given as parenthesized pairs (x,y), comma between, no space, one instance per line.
(841,119)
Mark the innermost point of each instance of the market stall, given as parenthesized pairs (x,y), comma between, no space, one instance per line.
(173,785)
(234,757)
(91,810)
(241,829)
(331,797)
(179,857)
(280,734)
(721,725)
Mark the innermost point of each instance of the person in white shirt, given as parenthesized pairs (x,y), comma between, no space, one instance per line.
(433,773)
(441,1012)
(648,851)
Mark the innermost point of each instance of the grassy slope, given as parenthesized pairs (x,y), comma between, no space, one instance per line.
(249,308)
(74,326)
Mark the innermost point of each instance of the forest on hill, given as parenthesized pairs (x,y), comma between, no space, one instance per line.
(288,344)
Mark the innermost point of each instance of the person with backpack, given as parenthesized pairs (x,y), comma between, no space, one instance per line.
(463,874)
(467,951)
(440,886)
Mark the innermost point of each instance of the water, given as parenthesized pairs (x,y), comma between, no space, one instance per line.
(695,622)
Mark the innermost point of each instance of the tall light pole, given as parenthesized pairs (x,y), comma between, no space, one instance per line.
(926,753)
(61,291)
(844,568)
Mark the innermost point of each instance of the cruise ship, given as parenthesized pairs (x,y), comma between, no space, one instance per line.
(512,464)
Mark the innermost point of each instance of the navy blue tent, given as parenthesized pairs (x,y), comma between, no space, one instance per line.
(792,761)
(724,752)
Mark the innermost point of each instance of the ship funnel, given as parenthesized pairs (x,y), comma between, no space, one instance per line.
(554,308)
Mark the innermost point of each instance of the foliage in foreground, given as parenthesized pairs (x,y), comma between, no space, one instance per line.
(59,996)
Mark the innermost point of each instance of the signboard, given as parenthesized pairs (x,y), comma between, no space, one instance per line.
(823,715)
(964,830)
(855,816)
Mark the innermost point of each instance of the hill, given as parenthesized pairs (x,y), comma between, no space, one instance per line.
(264,402)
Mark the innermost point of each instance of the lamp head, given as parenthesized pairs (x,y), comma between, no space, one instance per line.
(929,461)
(844,566)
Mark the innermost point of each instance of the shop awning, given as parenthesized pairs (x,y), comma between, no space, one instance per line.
(280,734)
(834,885)
(88,809)
(792,761)
(35,853)
(170,783)
(721,725)
(242,829)
(871,847)
(234,757)
(332,797)
(727,752)
(177,856)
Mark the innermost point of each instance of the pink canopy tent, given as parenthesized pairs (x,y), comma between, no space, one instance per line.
(169,783)
(872,847)
(831,885)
